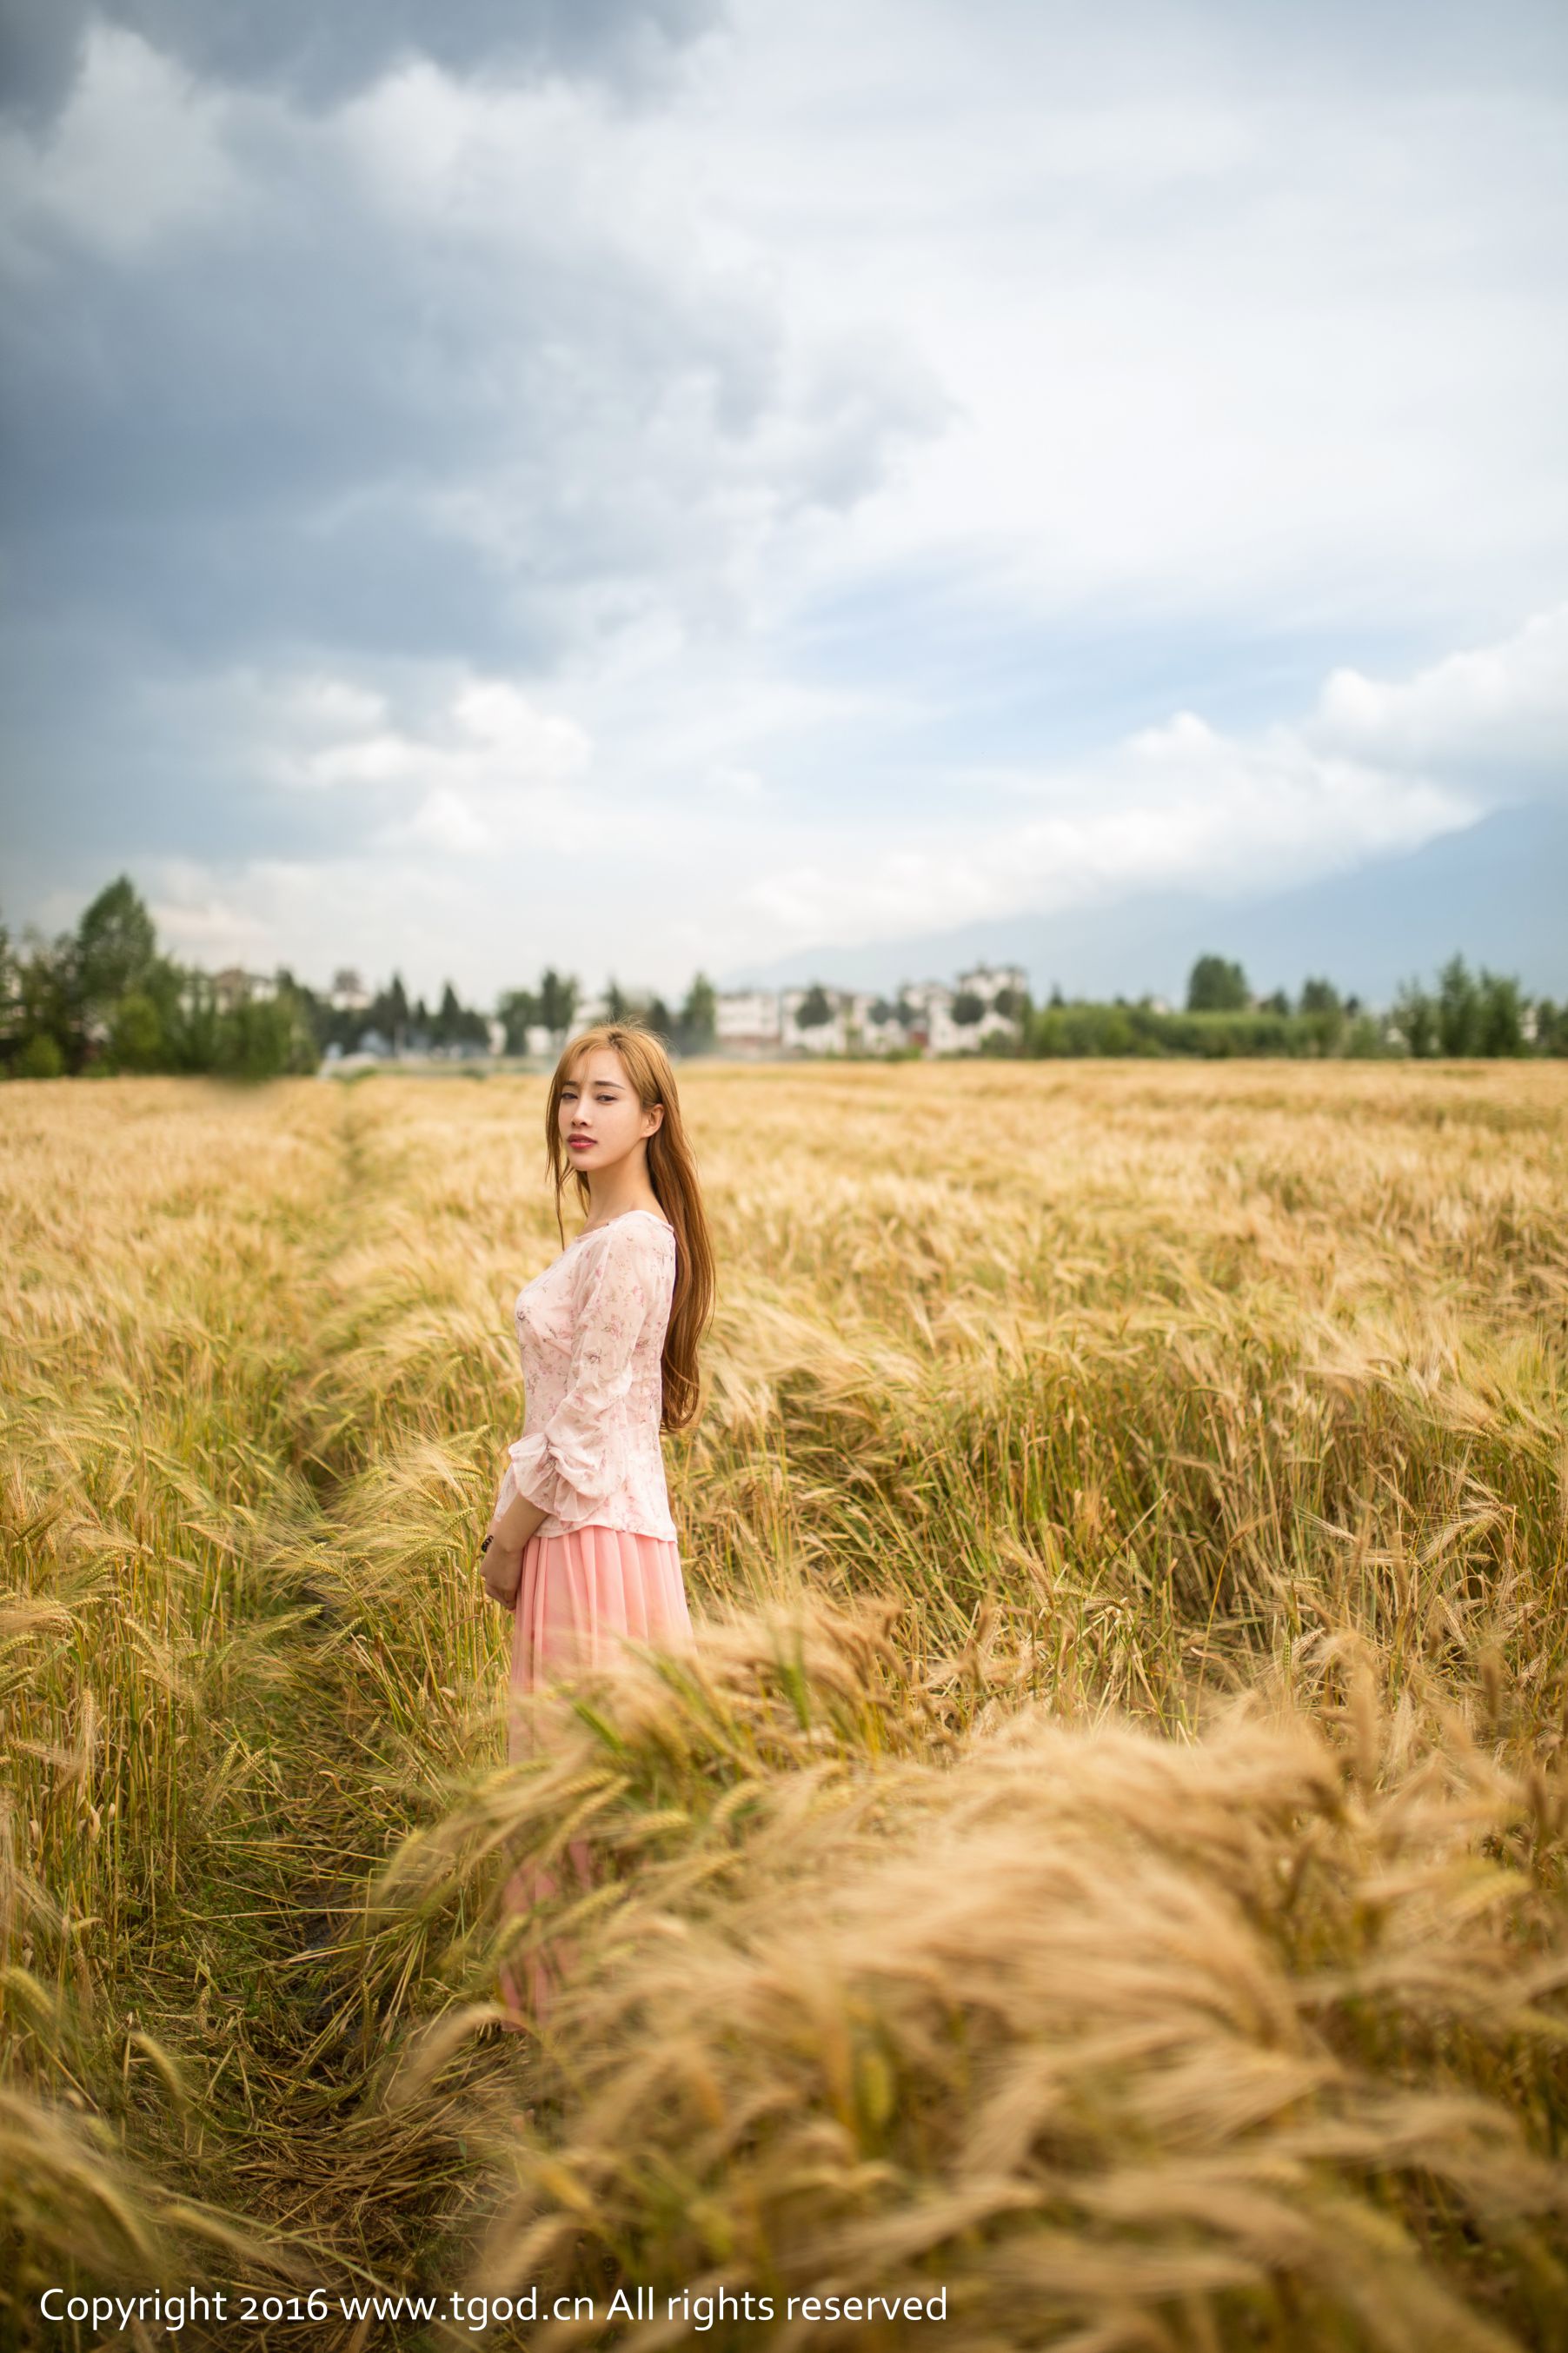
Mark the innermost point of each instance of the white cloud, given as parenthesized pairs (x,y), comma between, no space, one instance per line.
(1379,766)
(137,156)
(444,821)
(1221,327)
(737,783)
(1498,714)
(198,924)
(481,833)
(1190,810)
(399,909)
(327,706)
(493,769)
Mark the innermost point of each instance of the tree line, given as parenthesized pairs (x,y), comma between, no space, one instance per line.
(105,998)
(1466,1014)
(692,1028)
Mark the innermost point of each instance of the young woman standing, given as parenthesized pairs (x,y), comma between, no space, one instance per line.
(582,1547)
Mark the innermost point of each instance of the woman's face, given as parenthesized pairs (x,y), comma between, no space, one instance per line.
(602,1121)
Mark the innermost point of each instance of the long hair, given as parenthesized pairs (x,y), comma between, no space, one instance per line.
(672,1172)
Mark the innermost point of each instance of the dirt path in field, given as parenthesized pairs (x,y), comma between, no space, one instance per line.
(294,2141)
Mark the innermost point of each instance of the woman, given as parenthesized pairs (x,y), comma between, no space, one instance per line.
(581,1544)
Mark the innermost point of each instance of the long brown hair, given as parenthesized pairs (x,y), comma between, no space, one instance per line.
(672,1172)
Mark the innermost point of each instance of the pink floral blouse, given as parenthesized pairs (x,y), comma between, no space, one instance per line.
(590,1334)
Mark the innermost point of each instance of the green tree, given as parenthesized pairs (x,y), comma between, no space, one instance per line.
(1458,1009)
(518,1012)
(1550,1026)
(10,998)
(968,1007)
(447,1028)
(40,1058)
(318,1017)
(1216,986)
(136,1038)
(1500,1019)
(813,1012)
(388,1012)
(699,1024)
(618,1004)
(115,944)
(1414,1017)
(557,1001)
(191,1022)
(1322,1015)
(264,1038)
(1047,1033)
(657,1018)
(46,1002)
(1363,1038)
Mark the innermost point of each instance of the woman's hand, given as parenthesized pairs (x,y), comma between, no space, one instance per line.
(513,1523)
(501,1568)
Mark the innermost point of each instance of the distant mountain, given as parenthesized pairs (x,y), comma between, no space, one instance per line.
(1497,892)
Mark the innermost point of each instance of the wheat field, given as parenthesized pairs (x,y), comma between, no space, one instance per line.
(1104,1862)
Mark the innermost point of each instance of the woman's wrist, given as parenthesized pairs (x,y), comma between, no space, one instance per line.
(515,1521)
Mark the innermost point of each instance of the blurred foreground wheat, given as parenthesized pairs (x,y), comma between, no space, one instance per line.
(1106,1856)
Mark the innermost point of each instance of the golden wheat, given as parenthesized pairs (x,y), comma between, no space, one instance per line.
(1108,1855)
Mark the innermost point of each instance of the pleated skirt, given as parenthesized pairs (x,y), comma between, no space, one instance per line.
(579,1596)
(581,1593)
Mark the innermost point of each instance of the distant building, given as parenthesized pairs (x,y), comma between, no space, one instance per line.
(876,1036)
(988,983)
(349,993)
(829,1036)
(763,1021)
(234,986)
(932,1030)
(746,1021)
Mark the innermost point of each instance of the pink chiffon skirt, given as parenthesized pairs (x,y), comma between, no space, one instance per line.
(579,1595)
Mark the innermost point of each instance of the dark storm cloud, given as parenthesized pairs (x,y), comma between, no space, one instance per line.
(40,50)
(361,359)
(321,417)
(310,421)
(320,51)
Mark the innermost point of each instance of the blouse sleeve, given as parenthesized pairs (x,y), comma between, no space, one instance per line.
(571,1466)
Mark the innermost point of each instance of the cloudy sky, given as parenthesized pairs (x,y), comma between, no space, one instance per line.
(643,485)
